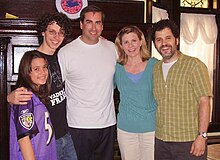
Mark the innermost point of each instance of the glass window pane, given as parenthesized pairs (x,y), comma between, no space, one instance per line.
(215,4)
(18,53)
(194,3)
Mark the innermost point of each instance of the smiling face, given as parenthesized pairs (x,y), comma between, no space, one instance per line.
(166,45)
(52,38)
(92,27)
(39,71)
(131,44)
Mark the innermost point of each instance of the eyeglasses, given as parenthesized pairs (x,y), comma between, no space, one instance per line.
(54,33)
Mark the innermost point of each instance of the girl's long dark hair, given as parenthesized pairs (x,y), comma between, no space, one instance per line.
(24,79)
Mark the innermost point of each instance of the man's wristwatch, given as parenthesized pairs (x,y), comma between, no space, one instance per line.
(203,134)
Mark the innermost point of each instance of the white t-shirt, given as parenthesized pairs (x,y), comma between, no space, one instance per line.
(88,72)
(166,67)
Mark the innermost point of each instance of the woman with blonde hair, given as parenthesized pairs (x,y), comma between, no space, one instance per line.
(137,107)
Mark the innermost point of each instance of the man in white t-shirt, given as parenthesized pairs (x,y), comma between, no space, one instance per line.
(88,66)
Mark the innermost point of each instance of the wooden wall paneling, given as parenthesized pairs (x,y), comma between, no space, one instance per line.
(148,6)
(4,136)
(114,10)
(28,9)
(215,125)
(217,106)
(22,33)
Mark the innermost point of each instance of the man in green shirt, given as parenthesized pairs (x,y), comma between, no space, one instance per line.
(182,90)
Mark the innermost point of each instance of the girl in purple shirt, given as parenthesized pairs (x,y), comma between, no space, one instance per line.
(31,133)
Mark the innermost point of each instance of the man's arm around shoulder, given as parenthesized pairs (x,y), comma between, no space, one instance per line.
(19,96)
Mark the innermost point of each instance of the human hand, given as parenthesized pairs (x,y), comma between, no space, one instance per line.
(198,146)
(19,96)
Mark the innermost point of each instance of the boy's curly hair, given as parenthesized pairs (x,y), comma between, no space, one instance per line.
(61,19)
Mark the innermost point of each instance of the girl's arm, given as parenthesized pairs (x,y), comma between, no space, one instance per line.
(26,148)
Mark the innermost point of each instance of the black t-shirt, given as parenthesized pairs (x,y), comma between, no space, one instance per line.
(57,106)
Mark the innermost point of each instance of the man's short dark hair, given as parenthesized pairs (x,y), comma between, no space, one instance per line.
(91,8)
(61,19)
(165,23)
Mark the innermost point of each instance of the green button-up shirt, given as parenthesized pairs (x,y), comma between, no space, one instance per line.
(178,98)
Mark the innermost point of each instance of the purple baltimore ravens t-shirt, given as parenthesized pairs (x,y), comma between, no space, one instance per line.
(32,120)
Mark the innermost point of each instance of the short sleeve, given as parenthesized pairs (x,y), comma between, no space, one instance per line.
(201,82)
(24,120)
